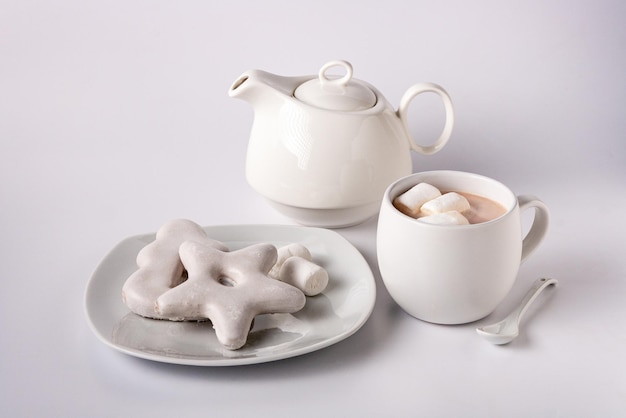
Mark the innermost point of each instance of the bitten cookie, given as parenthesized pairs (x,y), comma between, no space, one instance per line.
(229,288)
(160,267)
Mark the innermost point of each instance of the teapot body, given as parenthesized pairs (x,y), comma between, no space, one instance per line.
(330,164)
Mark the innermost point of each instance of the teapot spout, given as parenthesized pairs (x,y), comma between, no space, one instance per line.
(256,85)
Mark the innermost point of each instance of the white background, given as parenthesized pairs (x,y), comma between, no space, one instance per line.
(115,117)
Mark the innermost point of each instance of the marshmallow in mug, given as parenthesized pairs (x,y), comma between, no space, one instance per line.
(426,203)
(411,201)
(452,217)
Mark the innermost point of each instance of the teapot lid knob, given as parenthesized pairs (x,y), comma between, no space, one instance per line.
(336,93)
(341,81)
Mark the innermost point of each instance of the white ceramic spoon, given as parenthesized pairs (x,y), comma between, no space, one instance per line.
(506,330)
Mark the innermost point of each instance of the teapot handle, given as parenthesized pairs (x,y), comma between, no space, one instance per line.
(447,128)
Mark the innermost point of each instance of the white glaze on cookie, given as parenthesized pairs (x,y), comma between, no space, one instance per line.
(230,289)
(160,267)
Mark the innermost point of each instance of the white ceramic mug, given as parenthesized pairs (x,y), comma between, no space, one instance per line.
(454,274)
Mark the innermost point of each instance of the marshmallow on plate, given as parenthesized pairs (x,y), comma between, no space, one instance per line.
(305,275)
(284,252)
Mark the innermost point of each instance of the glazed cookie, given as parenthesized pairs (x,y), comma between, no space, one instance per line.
(229,288)
(160,267)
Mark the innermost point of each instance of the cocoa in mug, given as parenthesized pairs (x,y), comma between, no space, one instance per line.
(482,209)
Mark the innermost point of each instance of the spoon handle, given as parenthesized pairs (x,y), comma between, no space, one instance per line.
(532,294)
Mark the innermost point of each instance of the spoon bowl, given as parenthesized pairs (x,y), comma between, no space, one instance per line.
(507,330)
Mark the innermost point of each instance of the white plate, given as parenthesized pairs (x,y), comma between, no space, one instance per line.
(326,319)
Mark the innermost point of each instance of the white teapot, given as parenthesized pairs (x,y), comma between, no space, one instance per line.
(324,148)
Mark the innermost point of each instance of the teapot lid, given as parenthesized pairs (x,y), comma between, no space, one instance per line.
(336,93)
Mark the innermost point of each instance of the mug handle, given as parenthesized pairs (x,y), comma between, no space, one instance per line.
(538,229)
(447,128)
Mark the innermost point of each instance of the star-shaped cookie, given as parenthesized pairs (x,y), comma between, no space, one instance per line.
(229,288)
(160,268)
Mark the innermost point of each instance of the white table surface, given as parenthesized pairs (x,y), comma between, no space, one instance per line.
(114,118)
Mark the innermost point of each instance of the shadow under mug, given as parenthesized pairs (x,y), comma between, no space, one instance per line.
(454,274)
